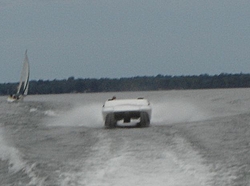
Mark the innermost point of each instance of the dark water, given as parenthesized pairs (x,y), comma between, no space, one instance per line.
(195,138)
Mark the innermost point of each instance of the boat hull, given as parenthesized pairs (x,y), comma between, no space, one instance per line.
(126,110)
(13,100)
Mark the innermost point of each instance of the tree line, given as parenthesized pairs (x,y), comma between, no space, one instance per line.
(138,83)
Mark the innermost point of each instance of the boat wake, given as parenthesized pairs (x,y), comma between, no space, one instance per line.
(16,165)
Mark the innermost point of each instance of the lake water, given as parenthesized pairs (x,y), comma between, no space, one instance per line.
(196,137)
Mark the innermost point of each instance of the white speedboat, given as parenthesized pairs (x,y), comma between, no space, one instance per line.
(125,110)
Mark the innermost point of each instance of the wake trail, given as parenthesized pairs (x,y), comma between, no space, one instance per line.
(16,162)
(140,157)
(137,156)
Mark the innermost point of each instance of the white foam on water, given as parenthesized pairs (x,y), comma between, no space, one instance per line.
(50,113)
(16,162)
(86,115)
(190,161)
(176,111)
(141,168)
(10,154)
(33,110)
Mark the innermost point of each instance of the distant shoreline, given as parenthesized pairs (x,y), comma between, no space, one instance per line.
(138,83)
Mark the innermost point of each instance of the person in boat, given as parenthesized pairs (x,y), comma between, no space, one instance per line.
(113,98)
(14,96)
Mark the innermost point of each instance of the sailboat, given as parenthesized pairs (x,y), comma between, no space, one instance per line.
(23,87)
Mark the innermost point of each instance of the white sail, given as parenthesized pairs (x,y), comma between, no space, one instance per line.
(24,79)
(23,86)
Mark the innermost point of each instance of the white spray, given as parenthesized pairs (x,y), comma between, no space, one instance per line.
(176,111)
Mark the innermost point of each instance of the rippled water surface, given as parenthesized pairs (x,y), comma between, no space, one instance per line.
(196,137)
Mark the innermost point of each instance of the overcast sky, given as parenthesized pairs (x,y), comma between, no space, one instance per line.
(123,38)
